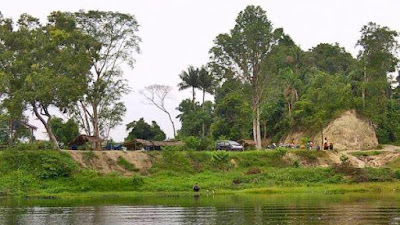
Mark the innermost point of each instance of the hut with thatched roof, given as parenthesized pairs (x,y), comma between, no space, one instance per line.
(138,144)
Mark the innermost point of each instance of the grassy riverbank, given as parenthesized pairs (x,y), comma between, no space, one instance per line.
(54,173)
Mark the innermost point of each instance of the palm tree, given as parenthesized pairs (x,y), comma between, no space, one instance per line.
(190,79)
(206,82)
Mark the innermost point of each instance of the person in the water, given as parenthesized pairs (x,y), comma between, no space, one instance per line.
(196,187)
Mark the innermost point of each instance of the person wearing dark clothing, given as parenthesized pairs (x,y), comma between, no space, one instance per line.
(196,188)
(331,146)
(325,144)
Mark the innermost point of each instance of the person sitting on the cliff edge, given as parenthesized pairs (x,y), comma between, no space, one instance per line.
(196,188)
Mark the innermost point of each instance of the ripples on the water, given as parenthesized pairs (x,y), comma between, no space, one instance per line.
(221,210)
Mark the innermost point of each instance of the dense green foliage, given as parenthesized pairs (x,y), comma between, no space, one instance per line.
(71,63)
(268,84)
(141,129)
(64,132)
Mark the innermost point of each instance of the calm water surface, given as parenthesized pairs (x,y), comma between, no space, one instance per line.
(227,209)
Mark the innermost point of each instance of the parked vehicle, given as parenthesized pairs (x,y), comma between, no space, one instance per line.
(229,145)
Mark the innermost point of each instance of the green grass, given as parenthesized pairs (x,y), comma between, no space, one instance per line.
(53,172)
(395,164)
(366,153)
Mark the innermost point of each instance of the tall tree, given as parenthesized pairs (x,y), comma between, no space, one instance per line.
(243,51)
(206,85)
(291,84)
(157,94)
(206,81)
(190,79)
(326,97)
(331,59)
(193,119)
(141,129)
(49,66)
(116,36)
(377,56)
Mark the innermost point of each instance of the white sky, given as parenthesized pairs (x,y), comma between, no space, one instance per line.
(179,33)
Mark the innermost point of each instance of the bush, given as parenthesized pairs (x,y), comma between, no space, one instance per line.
(397,173)
(192,143)
(137,181)
(172,148)
(126,165)
(36,145)
(44,164)
(86,146)
(304,140)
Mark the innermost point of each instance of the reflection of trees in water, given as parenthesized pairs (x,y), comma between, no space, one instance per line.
(11,215)
(232,210)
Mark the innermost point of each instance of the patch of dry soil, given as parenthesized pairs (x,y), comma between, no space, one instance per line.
(106,161)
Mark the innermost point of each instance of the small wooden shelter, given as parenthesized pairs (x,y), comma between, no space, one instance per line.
(82,139)
(138,144)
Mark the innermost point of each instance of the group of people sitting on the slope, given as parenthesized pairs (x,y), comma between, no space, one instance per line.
(309,145)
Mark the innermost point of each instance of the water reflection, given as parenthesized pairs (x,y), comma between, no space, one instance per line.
(231,209)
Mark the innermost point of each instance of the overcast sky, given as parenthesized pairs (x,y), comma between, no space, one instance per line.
(179,33)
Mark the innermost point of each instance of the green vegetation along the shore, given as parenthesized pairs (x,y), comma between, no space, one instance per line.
(49,172)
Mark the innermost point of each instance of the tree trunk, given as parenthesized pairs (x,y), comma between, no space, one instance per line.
(254,128)
(194,97)
(364,83)
(258,129)
(10,132)
(52,137)
(172,122)
(203,128)
(265,130)
(86,119)
(96,132)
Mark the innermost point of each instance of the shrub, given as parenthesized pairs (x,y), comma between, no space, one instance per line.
(44,164)
(137,181)
(86,146)
(304,140)
(397,173)
(36,145)
(309,156)
(220,156)
(192,143)
(126,165)
(220,160)
(344,158)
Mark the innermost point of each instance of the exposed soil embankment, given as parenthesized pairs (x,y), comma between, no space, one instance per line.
(130,162)
(112,161)
(346,132)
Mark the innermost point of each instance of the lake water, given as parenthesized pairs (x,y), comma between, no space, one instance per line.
(218,209)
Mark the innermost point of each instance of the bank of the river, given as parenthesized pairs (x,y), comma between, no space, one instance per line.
(55,173)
